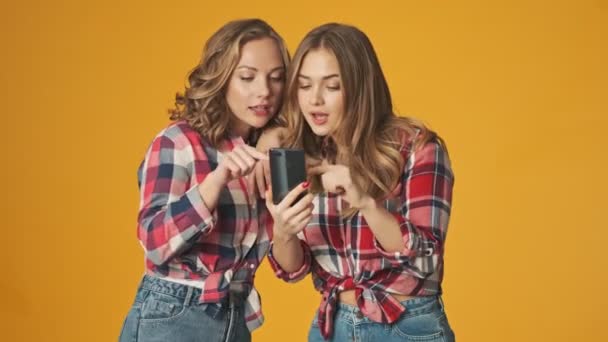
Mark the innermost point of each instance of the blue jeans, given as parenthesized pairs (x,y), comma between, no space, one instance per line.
(424,320)
(167,311)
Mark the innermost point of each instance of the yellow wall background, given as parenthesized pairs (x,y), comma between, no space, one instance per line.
(519,90)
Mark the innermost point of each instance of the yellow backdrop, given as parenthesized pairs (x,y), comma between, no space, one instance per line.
(518,89)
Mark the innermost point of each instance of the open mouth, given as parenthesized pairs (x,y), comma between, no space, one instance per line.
(319,118)
(261,110)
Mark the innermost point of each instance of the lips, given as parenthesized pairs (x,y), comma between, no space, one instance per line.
(319,118)
(260,110)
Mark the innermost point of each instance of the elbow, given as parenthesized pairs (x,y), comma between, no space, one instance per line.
(155,250)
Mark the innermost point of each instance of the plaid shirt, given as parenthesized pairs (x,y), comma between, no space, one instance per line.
(343,254)
(184,241)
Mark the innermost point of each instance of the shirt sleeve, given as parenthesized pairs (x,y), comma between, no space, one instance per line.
(299,274)
(424,210)
(171,215)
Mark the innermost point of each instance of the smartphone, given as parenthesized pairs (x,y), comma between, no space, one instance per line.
(287,170)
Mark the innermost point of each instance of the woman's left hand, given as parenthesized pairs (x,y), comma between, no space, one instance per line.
(337,179)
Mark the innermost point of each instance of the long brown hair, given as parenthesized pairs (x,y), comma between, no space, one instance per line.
(369,136)
(203,102)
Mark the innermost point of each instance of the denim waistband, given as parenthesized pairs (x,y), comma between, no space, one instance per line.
(189,294)
(412,306)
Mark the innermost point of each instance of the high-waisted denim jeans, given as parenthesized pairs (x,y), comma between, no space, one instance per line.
(167,311)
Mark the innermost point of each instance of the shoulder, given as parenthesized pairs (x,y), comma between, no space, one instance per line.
(415,141)
(179,135)
(418,147)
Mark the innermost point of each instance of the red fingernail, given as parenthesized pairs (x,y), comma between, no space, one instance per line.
(305,184)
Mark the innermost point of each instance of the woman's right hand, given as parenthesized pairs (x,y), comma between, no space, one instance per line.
(290,218)
(238,163)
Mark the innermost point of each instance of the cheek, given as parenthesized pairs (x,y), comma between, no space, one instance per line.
(301,100)
(338,108)
(277,89)
(336,104)
(237,92)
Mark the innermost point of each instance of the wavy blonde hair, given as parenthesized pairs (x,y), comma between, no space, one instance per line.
(203,102)
(369,135)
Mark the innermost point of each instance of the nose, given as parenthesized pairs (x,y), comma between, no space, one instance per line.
(316,98)
(263,87)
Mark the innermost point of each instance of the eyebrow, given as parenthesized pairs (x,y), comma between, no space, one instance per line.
(324,77)
(255,69)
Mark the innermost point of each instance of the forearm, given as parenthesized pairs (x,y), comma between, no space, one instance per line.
(384,226)
(210,190)
(288,253)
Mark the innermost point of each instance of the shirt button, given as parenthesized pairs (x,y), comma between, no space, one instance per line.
(252,266)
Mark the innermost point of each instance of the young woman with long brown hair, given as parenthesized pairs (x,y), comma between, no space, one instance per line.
(203,229)
(381,189)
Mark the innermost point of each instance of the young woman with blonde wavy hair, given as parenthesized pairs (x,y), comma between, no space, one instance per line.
(202,228)
(372,228)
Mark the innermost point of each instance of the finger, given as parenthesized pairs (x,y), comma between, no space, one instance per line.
(319,169)
(302,205)
(251,183)
(232,166)
(310,161)
(300,225)
(240,162)
(292,195)
(244,155)
(301,216)
(259,179)
(255,153)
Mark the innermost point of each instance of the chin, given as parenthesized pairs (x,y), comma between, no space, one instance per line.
(319,131)
(259,122)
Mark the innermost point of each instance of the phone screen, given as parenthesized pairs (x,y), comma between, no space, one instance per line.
(287,170)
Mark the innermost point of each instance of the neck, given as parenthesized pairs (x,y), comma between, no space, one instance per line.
(241,129)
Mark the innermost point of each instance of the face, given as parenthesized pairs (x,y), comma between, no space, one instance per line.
(320,91)
(255,88)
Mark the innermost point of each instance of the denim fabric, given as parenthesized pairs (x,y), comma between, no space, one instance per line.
(424,320)
(167,311)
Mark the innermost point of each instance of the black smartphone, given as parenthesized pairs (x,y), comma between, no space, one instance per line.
(287,170)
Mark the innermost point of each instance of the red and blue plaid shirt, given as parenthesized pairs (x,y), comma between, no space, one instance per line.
(184,241)
(343,254)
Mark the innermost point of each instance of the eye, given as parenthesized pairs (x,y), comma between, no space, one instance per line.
(246,78)
(333,87)
(278,78)
(304,86)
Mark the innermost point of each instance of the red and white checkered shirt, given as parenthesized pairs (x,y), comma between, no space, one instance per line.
(184,241)
(343,254)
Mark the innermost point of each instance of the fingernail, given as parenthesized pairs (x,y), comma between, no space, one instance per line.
(306,184)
